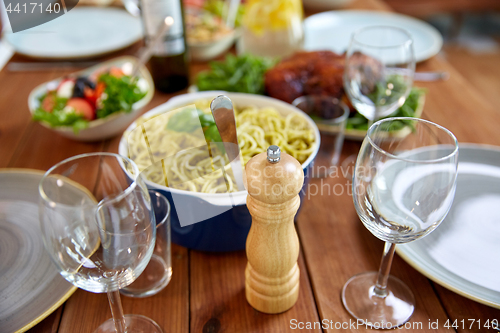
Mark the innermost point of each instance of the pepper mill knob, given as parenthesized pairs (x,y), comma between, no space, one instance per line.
(273,154)
(273,181)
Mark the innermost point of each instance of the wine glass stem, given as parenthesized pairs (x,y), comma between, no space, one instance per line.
(380,288)
(117,311)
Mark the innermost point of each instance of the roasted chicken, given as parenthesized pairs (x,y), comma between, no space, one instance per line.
(306,73)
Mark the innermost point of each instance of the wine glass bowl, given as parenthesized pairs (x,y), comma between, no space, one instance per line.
(379,69)
(98,228)
(403,187)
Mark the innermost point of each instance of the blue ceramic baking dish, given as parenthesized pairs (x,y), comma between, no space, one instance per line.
(228,230)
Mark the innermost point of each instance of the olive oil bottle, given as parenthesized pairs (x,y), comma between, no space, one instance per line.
(169,62)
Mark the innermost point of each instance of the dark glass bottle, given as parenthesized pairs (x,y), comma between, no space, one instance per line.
(169,63)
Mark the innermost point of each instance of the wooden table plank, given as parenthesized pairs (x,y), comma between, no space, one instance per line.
(15,113)
(481,70)
(49,324)
(42,148)
(218,302)
(459,106)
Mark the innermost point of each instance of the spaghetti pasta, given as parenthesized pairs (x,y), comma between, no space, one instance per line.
(184,160)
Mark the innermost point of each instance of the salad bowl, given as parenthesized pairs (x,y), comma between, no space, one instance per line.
(208,35)
(101,128)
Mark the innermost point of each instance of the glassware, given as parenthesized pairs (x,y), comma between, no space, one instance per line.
(169,61)
(379,69)
(272,28)
(157,274)
(98,228)
(403,188)
(330,115)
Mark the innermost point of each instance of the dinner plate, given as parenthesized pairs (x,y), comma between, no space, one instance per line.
(462,254)
(333,30)
(80,33)
(31,287)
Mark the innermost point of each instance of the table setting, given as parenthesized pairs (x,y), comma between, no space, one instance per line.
(224,167)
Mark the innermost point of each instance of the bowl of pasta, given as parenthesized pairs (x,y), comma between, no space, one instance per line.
(175,147)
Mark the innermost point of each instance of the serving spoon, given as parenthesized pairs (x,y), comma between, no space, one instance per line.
(223,113)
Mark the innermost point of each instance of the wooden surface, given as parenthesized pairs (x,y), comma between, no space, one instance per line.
(429,7)
(481,69)
(206,293)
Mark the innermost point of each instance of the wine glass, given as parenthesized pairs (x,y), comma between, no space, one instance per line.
(403,187)
(379,69)
(99,229)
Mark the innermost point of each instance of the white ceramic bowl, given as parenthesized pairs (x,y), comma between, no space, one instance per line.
(224,226)
(203,51)
(103,128)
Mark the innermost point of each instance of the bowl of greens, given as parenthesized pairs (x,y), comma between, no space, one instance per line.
(357,124)
(93,104)
(243,73)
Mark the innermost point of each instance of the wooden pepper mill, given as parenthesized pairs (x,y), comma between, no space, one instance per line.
(273,181)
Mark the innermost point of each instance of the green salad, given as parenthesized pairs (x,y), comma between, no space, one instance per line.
(408,109)
(243,73)
(77,101)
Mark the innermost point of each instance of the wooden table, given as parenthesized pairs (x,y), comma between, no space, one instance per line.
(206,293)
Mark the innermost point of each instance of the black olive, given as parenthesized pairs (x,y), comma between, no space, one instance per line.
(80,85)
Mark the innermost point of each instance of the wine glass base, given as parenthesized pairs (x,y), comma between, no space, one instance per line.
(375,311)
(134,324)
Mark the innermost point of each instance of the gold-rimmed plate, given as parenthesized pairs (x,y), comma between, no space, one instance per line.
(30,286)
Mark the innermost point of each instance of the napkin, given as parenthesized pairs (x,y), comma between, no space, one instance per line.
(6,50)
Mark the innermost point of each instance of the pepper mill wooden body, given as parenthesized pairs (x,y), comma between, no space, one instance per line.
(273,181)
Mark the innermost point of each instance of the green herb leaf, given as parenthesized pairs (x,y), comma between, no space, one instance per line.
(121,94)
(59,118)
(243,73)
(408,109)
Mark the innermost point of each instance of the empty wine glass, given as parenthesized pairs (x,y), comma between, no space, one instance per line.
(378,75)
(403,188)
(99,230)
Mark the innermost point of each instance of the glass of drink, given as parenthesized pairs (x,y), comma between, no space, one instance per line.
(378,75)
(99,230)
(271,28)
(158,273)
(330,114)
(403,187)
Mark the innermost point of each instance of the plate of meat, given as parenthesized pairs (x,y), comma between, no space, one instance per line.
(302,73)
(321,73)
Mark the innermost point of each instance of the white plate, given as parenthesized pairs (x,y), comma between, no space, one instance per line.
(82,32)
(462,254)
(31,287)
(333,30)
